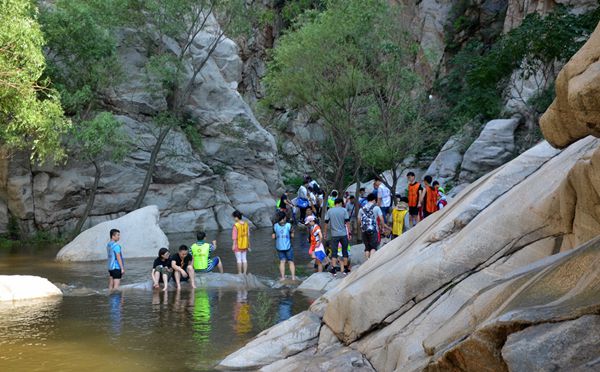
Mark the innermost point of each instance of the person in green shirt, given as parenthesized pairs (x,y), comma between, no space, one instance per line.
(201,252)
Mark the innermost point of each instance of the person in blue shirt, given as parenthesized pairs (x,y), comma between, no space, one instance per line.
(116,268)
(283,233)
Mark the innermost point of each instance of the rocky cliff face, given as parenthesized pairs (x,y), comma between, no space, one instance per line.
(504,278)
(235,166)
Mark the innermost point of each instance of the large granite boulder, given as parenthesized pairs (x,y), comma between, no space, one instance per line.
(494,146)
(206,280)
(285,339)
(447,163)
(26,287)
(503,222)
(574,112)
(555,346)
(140,237)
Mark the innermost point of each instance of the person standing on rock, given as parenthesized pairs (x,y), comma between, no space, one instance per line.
(302,200)
(116,268)
(338,222)
(370,218)
(429,198)
(414,193)
(384,198)
(182,264)
(283,233)
(317,251)
(240,237)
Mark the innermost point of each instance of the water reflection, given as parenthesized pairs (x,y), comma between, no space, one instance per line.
(202,325)
(241,313)
(285,308)
(115,301)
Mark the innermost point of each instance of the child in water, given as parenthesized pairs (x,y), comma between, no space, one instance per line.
(240,237)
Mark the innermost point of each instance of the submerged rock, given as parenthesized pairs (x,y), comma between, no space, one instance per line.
(140,237)
(26,287)
(206,280)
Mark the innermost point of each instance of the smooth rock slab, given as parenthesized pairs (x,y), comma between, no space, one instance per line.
(206,280)
(285,339)
(319,282)
(339,360)
(554,346)
(140,237)
(26,287)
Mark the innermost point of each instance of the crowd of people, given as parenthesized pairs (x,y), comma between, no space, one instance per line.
(376,215)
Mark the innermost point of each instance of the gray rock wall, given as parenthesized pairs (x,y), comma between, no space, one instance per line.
(194,188)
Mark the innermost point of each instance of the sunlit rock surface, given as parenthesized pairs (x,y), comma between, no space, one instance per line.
(26,287)
(141,236)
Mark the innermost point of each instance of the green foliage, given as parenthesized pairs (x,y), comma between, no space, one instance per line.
(293,9)
(30,113)
(262,310)
(192,134)
(81,49)
(99,138)
(478,75)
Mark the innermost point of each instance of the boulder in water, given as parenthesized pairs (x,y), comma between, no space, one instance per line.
(140,237)
(26,287)
(206,280)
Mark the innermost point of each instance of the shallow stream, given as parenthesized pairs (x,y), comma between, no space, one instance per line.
(90,330)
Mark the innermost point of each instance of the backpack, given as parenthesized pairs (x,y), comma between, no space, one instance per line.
(367,219)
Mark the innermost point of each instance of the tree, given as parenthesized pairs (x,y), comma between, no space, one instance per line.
(321,67)
(96,141)
(31,116)
(82,54)
(177,70)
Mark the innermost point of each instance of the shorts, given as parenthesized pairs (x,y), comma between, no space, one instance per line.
(240,256)
(286,255)
(413,211)
(212,263)
(385,211)
(163,269)
(426,214)
(320,255)
(370,240)
(115,274)
(335,241)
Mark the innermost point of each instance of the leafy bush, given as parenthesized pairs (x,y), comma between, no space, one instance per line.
(479,74)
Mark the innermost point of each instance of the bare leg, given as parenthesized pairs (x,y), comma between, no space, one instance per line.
(116,283)
(165,278)
(177,276)
(192,275)
(345,262)
(155,278)
(282,270)
(239,267)
(245,266)
(367,253)
(293,270)
(319,266)
(220,267)
(110,283)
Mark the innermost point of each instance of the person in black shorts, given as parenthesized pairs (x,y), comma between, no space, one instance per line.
(183,267)
(414,195)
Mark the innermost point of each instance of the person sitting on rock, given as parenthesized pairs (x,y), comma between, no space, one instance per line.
(240,237)
(283,233)
(182,265)
(161,269)
(201,253)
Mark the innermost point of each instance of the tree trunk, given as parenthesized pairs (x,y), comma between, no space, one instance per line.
(153,157)
(91,199)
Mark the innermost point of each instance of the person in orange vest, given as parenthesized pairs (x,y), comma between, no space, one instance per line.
(414,194)
(240,237)
(429,197)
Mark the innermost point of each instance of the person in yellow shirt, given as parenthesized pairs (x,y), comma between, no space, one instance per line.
(398,214)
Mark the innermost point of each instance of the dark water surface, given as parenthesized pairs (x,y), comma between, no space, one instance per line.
(90,330)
